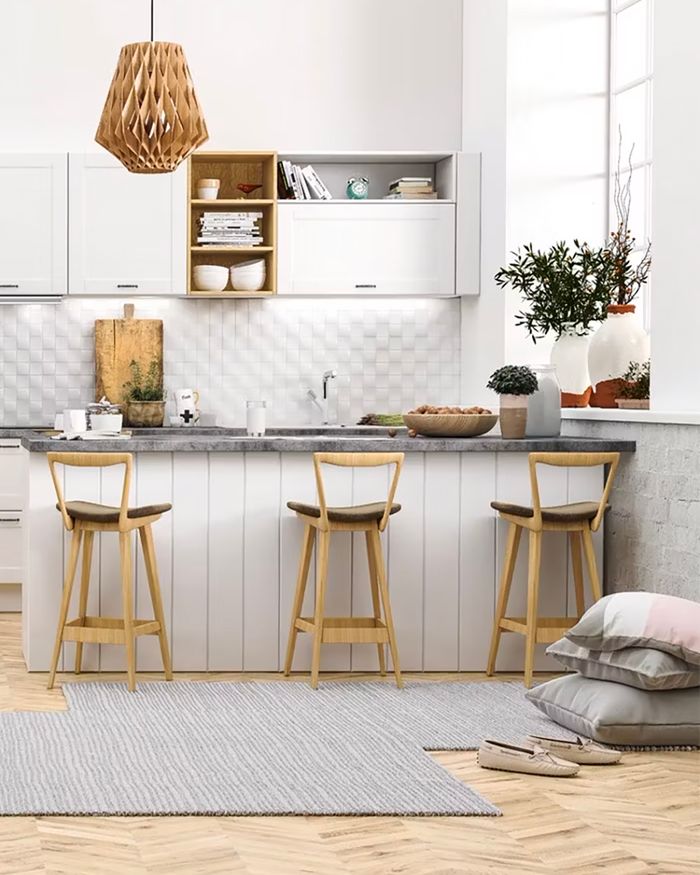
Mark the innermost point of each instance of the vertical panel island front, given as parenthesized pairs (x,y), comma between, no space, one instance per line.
(228,554)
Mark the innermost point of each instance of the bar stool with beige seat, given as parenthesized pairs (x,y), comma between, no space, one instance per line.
(84,518)
(579,519)
(371,519)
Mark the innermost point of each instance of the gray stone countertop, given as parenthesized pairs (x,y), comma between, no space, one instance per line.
(304,440)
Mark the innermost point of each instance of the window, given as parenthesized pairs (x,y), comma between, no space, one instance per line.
(631,81)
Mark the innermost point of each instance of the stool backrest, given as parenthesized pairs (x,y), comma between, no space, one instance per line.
(573,460)
(91,460)
(357,460)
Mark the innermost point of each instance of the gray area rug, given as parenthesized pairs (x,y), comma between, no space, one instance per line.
(256,748)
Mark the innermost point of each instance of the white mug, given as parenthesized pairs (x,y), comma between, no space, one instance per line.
(74,420)
(187,406)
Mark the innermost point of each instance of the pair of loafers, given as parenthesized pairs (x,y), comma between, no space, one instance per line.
(554,757)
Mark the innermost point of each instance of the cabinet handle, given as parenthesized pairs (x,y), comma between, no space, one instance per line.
(10,446)
(365,285)
(9,285)
(127,285)
(7,519)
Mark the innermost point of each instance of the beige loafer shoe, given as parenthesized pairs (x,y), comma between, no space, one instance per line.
(580,750)
(530,761)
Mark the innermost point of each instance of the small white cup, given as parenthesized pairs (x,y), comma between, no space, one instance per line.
(74,420)
(255,418)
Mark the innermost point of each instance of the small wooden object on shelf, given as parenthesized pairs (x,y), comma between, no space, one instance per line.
(235,170)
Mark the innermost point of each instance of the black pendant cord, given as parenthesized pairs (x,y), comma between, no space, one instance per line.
(152,1)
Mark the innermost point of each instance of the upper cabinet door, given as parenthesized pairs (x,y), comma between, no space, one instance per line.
(33,219)
(366,249)
(127,230)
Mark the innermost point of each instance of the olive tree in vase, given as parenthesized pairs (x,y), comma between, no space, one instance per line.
(565,289)
(514,384)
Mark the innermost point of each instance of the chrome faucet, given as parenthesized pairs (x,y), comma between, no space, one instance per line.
(322,405)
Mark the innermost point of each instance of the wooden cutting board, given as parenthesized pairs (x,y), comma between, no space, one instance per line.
(118,342)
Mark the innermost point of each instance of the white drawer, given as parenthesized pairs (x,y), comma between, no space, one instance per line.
(12,474)
(10,546)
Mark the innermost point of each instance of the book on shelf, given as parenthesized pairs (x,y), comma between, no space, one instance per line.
(240,228)
(300,183)
(403,196)
(411,180)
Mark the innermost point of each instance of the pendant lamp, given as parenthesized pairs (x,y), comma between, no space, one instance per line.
(151,119)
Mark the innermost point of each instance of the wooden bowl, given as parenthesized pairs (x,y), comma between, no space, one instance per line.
(450,424)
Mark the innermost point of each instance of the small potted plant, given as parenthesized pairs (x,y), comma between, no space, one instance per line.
(634,392)
(566,290)
(144,396)
(514,384)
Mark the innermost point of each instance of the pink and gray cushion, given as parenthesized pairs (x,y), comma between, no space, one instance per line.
(616,714)
(641,619)
(641,667)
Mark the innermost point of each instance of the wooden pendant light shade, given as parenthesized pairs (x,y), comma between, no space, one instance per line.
(151,119)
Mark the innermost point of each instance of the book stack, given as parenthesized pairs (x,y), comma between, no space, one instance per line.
(230,229)
(300,183)
(411,188)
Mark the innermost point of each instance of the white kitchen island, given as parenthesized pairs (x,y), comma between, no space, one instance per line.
(228,550)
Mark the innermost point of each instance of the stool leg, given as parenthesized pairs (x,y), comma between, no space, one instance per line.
(149,556)
(533,590)
(321,578)
(307,547)
(125,561)
(384,592)
(84,586)
(512,544)
(375,597)
(575,541)
(591,565)
(65,600)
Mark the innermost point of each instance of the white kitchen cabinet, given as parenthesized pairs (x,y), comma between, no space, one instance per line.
(33,221)
(357,248)
(13,487)
(127,233)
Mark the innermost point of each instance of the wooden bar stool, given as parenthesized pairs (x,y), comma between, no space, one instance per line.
(84,518)
(368,518)
(579,520)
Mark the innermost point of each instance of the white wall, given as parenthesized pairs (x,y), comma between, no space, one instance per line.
(557,153)
(308,74)
(675,300)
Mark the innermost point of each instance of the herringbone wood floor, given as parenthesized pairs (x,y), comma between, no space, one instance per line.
(639,817)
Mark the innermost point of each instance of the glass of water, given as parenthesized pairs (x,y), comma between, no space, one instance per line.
(255,418)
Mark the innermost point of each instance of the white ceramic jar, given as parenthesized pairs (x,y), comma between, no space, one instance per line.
(620,340)
(544,406)
(570,360)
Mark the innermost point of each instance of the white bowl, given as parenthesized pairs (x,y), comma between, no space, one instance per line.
(210,277)
(248,276)
(106,421)
(207,194)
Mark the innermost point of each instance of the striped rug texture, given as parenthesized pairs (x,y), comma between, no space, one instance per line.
(256,748)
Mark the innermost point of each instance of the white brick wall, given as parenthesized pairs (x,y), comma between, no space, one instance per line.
(390,355)
(652,532)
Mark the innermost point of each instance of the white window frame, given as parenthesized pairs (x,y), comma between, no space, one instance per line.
(615,7)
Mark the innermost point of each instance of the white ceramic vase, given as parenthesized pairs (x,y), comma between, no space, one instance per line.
(620,340)
(570,359)
(544,406)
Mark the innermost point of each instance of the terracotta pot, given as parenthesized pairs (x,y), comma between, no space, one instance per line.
(633,403)
(513,416)
(618,342)
(145,414)
(570,358)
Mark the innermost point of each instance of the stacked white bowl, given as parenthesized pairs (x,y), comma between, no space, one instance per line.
(248,276)
(210,277)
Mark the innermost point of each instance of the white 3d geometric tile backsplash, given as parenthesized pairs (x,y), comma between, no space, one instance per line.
(390,354)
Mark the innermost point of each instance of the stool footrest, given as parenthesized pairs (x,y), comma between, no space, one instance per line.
(105,630)
(548,629)
(347,630)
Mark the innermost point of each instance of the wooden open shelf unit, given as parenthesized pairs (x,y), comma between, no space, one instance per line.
(233,168)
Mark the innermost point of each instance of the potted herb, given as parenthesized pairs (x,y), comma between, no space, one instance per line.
(144,396)
(514,384)
(634,393)
(621,338)
(566,290)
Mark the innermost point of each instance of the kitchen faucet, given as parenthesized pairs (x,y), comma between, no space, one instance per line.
(323,404)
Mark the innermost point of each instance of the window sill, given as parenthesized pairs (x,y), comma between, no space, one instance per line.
(651,417)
